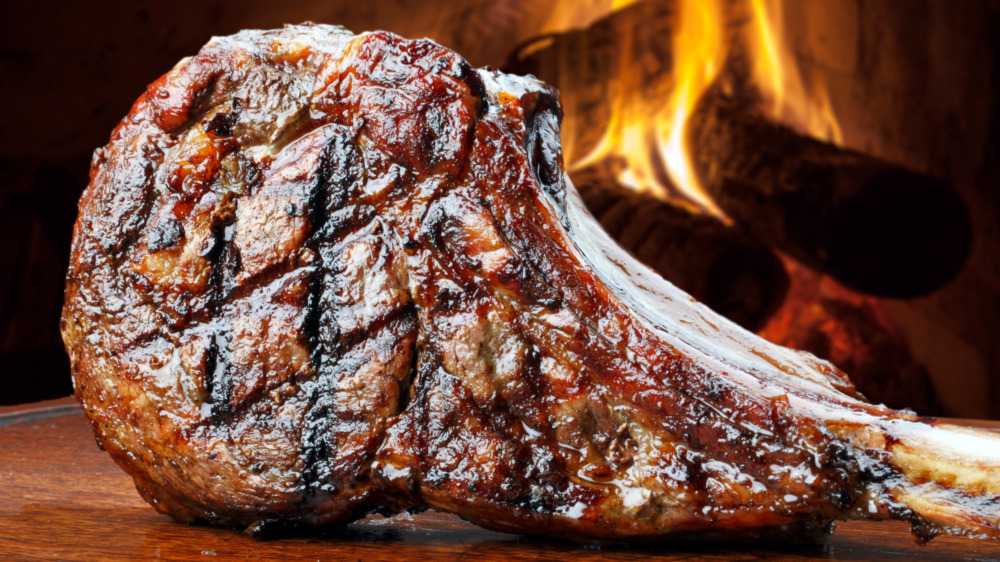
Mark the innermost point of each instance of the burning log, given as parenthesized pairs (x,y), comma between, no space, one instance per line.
(873,226)
(620,73)
(717,264)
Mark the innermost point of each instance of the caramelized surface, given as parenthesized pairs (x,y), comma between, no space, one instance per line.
(317,275)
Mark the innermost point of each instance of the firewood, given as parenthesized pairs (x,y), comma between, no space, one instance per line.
(871,225)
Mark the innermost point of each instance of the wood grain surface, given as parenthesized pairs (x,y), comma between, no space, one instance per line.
(62,498)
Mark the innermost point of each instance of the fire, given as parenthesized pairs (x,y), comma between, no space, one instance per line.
(569,14)
(645,143)
(700,54)
(777,75)
(646,135)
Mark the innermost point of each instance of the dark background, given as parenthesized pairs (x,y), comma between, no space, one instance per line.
(70,71)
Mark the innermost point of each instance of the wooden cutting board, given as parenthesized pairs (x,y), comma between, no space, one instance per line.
(62,498)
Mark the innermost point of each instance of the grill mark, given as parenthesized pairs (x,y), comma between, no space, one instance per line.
(116,246)
(218,369)
(314,449)
(221,125)
(332,347)
(349,340)
(340,168)
(218,376)
(234,292)
(333,153)
(336,178)
(223,288)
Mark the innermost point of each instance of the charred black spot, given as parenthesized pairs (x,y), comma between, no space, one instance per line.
(448,300)
(223,258)
(340,174)
(477,87)
(221,124)
(201,103)
(545,150)
(164,235)
(218,381)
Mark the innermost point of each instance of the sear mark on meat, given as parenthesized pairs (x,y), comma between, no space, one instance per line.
(317,275)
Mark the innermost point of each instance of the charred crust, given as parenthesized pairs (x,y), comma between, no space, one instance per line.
(202,100)
(218,383)
(221,124)
(544,149)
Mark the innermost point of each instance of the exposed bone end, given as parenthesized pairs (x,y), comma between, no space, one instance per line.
(944,479)
(952,480)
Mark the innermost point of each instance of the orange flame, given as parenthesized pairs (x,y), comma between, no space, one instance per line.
(642,130)
(646,138)
(700,54)
(561,15)
(777,75)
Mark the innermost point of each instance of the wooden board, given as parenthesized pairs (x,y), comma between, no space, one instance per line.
(62,498)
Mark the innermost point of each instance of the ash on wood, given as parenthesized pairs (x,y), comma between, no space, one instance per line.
(717,264)
(876,227)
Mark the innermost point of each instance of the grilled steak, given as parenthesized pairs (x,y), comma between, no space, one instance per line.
(318,275)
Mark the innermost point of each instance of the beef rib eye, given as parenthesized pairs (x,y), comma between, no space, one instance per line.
(318,275)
